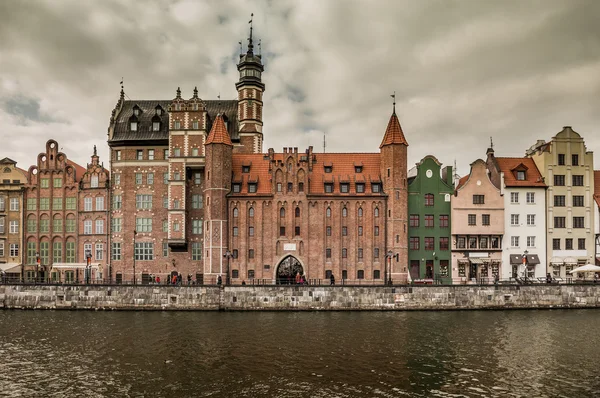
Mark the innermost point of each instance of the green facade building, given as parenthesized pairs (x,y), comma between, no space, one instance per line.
(429,194)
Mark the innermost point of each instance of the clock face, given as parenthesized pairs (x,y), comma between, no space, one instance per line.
(429,173)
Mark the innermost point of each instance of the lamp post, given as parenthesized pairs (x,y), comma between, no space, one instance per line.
(525,263)
(388,257)
(134,234)
(88,270)
(37,266)
(228,255)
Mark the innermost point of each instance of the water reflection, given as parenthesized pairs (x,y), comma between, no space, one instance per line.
(306,354)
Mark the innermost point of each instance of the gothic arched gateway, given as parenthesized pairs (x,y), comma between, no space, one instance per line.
(287,270)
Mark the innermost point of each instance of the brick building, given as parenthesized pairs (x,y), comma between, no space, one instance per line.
(192,193)
(12,180)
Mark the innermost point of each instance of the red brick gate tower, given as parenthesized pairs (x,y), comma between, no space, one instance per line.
(393,150)
(218,148)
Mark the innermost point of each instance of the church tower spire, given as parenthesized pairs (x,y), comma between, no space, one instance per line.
(250,92)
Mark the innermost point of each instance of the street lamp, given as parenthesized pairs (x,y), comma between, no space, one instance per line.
(134,234)
(228,255)
(388,257)
(37,266)
(525,263)
(88,270)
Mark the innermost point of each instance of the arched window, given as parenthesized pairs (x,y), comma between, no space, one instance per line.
(376,212)
(360,212)
(282,212)
(297,212)
(235,212)
(344,212)
(251,212)
(328,212)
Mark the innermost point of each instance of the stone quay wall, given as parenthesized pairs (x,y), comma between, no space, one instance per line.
(295,298)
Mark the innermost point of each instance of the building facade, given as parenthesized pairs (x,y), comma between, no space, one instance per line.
(51,195)
(568,170)
(524,193)
(429,208)
(12,181)
(193,194)
(477,227)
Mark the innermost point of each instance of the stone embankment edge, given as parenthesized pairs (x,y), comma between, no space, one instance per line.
(298,298)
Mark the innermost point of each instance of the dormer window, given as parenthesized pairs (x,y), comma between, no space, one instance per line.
(360,187)
(252,187)
(155,126)
(328,169)
(133,126)
(177,107)
(237,188)
(358,169)
(136,110)
(195,107)
(245,169)
(328,187)
(159,111)
(376,187)
(521,176)
(344,187)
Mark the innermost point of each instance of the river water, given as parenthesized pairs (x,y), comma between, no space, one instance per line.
(300,354)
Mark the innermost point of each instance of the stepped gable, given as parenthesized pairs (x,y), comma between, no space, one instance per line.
(148,111)
(393,133)
(218,133)
(509,166)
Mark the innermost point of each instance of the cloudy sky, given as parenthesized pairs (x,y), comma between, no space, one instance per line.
(462,70)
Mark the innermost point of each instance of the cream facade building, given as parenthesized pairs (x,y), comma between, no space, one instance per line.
(568,170)
(12,180)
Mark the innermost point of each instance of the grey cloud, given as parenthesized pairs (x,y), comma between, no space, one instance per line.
(463,70)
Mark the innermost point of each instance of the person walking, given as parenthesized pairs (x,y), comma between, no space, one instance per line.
(332,279)
(219,280)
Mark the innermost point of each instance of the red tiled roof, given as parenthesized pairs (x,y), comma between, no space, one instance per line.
(393,133)
(259,170)
(597,187)
(218,133)
(79,171)
(533,177)
(462,181)
(343,169)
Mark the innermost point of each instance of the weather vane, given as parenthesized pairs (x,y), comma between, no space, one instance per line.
(394,97)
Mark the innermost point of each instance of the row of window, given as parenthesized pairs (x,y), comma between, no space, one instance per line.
(57,252)
(574,159)
(13,226)
(57,203)
(139,178)
(14,204)
(515,219)
(414,221)
(478,242)
(529,197)
(515,241)
(57,226)
(561,222)
(568,244)
(560,200)
(576,180)
(414,243)
(58,182)
(144,251)
(360,274)
(12,250)
(359,187)
(149,154)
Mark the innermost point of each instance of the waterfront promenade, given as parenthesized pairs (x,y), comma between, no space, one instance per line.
(298,297)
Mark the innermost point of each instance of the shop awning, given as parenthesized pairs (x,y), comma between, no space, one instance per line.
(557,261)
(516,259)
(533,259)
(476,260)
(73,265)
(570,261)
(10,268)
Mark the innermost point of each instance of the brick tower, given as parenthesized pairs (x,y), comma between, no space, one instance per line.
(218,148)
(250,93)
(393,150)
